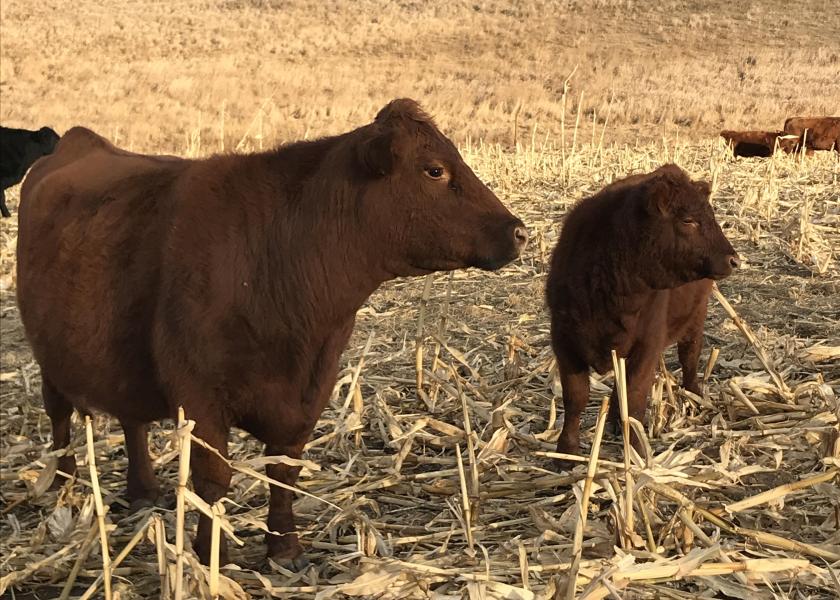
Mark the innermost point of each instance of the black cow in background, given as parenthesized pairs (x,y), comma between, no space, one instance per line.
(19,148)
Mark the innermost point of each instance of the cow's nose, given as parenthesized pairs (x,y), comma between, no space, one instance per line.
(520,234)
(734,261)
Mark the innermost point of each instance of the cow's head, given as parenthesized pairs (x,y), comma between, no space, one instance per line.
(680,237)
(46,139)
(428,209)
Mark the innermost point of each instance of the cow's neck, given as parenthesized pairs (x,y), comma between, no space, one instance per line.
(328,264)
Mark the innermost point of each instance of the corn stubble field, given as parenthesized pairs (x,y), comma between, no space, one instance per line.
(445,491)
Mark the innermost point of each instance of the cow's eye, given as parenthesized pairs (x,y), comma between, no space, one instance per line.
(690,222)
(435,172)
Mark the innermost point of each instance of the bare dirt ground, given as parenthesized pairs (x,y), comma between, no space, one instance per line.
(393,514)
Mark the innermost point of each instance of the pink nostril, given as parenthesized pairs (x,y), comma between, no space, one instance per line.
(520,234)
(734,262)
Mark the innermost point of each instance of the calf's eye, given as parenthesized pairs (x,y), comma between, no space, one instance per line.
(434,172)
(690,222)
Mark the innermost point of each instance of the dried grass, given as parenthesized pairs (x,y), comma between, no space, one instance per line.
(430,474)
(447,490)
(190,79)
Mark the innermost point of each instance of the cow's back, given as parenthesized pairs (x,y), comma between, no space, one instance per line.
(89,248)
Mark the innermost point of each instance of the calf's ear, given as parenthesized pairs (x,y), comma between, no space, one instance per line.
(703,188)
(659,196)
(375,153)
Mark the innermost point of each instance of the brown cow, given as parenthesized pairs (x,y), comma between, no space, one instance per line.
(632,271)
(229,286)
(820,133)
(759,143)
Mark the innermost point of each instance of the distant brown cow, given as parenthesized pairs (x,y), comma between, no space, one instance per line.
(632,271)
(230,285)
(820,133)
(759,143)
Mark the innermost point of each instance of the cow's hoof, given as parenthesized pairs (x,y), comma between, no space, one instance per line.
(139,504)
(66,464)
(295,565)
(166,501)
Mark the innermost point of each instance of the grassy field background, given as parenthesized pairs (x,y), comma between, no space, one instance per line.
(549,101)
(155,75)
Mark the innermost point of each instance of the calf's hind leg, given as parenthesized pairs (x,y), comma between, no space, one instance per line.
(59,410)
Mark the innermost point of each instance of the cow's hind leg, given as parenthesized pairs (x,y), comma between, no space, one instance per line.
(211,478)
(59,410)
(143,488)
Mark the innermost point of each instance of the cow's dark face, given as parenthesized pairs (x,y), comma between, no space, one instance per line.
(682,237)
(430,210)
(45,139)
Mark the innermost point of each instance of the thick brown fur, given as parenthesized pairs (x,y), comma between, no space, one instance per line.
(760,143)
(819,133)
(229,286)
(632,271)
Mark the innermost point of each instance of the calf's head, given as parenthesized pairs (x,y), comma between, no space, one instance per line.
(681,240)
(428,210)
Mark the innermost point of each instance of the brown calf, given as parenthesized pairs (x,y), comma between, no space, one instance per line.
(632,271)
(760,143)
(229,286)
(820,133)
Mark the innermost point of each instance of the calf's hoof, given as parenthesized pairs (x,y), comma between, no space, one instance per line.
(613,429)
(565,446)
(203,552)
(561,464)
(57,483)
(135,505)
(694,388)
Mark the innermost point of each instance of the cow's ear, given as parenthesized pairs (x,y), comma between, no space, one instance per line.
(376,154)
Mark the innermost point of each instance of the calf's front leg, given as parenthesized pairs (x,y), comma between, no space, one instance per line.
(640,370)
